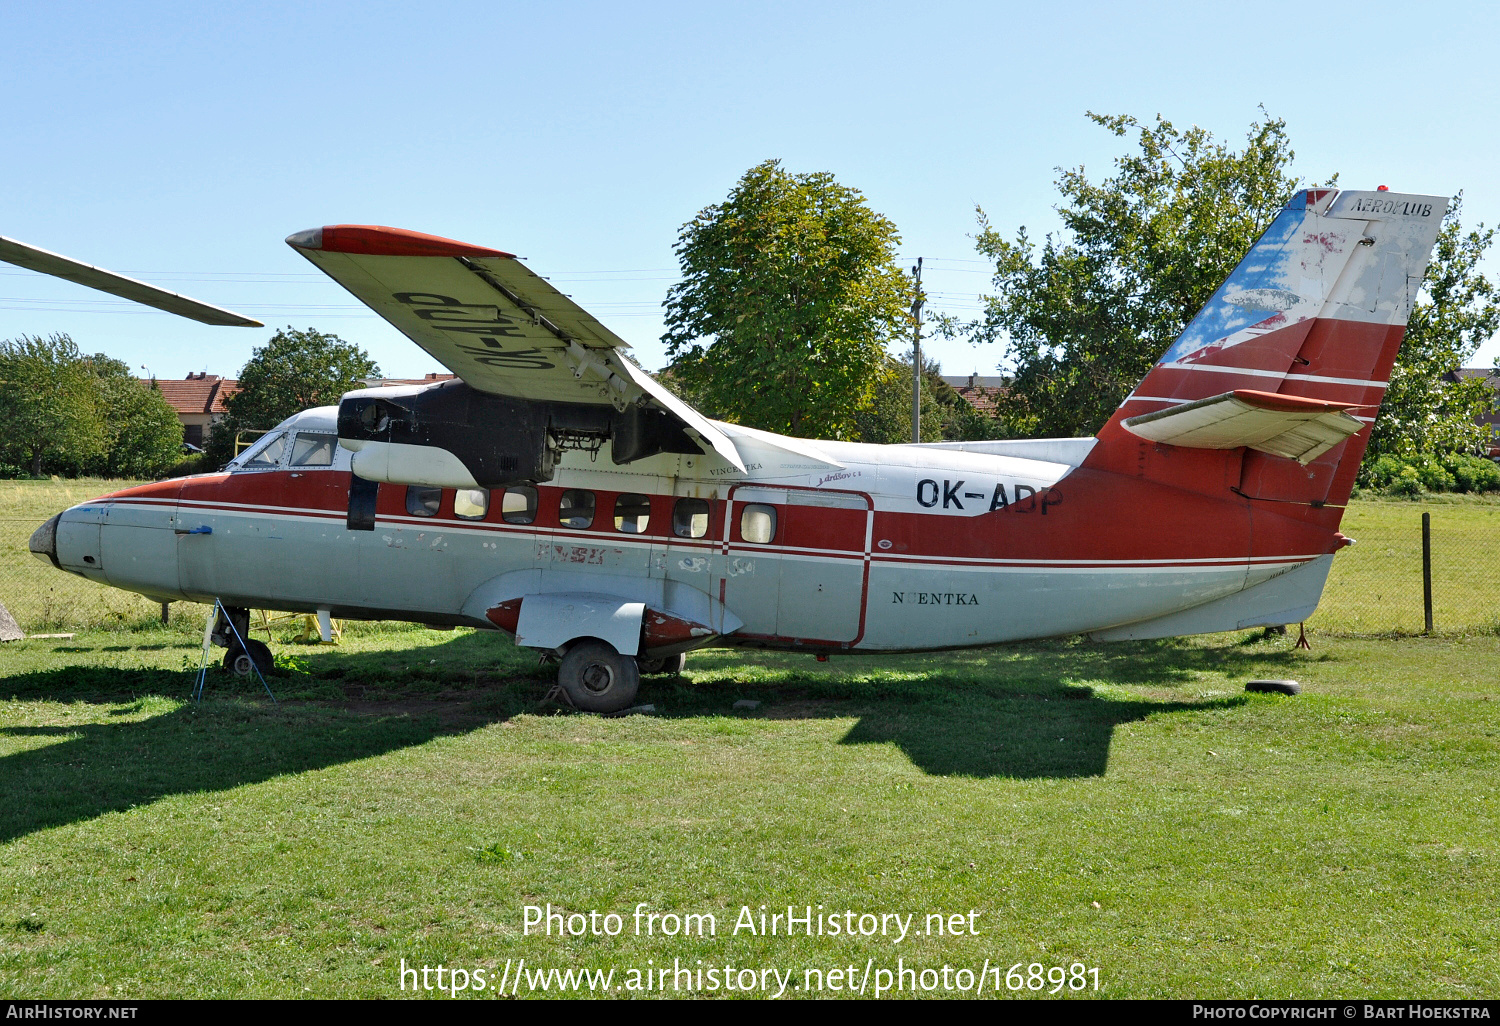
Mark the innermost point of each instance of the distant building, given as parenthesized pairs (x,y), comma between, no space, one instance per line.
(429,379)
(979,392)
(199,402)
(1491,375)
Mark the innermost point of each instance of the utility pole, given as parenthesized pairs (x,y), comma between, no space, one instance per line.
(916,357)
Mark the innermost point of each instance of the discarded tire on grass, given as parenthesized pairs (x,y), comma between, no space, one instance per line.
(1274,687)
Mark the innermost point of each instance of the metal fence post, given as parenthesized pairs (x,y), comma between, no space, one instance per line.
(1427,570)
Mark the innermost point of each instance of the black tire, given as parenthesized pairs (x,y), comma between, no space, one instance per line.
(668,666)
(238,662)
(598,679)
(1274,687)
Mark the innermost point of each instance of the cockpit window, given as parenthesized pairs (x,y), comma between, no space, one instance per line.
(269,453)
(313,450)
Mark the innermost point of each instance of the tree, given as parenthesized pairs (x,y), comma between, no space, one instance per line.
(294,371)
(1456,313)
(886,418)
(790,292)
(49,409)
(142,435)
(1087,315)
(946,415)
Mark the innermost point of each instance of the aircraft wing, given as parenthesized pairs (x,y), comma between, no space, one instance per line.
(491,320)
(34,259)
(1282,425)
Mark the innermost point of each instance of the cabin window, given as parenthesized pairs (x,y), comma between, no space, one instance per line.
(310,450)
(758,523)
(632,513)
(576,508)
(269,454)
(690,518)
(422,501)
(518,505)
(471,503)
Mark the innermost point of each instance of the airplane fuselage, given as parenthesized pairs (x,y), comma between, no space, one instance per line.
(845,547)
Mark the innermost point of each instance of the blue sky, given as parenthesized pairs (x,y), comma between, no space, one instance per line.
(181,143)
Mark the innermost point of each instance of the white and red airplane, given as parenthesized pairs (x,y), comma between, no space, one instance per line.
(556,492)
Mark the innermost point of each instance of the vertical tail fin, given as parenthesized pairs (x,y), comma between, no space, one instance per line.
(1314,314)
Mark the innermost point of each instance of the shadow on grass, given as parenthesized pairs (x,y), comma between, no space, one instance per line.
(1015,712)
(236,736)
(1023,711)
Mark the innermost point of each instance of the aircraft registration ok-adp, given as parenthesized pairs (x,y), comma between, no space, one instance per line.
(556,492)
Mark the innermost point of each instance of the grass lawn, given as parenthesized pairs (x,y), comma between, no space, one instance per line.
(1127,807)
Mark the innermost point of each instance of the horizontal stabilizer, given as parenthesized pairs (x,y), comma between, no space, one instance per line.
(1282,425)
(34,259)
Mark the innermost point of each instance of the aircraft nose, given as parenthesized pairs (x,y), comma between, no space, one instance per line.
(43,543)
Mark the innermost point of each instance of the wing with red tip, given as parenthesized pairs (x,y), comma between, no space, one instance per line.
(492,321)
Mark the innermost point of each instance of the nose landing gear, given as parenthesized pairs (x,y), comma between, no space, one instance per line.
(241,659)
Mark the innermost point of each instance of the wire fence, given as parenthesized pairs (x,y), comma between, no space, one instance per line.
(1377,585)
(1375,588)
(43,599)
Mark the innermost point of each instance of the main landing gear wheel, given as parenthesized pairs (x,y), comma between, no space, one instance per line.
(669,666)
(598,679)
(242,663)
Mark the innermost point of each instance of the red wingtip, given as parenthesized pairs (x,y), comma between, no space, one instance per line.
(377,240)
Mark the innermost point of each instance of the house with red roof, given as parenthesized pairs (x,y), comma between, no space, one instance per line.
(199,402)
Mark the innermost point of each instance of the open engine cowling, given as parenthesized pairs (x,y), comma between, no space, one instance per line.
(450,435)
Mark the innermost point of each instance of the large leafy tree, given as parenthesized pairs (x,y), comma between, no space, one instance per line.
(49,408)
(64,412)
(789,295)
(143,437)
(1424,411)
(292,372)
(1087,313)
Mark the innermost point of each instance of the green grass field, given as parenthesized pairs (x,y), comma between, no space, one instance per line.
(1124,807)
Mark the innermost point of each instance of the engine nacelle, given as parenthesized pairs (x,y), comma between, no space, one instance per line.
(449,435)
